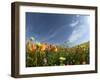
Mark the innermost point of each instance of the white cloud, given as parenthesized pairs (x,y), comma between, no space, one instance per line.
(77,33)
(80,28)
(74,23)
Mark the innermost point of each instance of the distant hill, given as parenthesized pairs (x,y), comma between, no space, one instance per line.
(69,45)
(85,44)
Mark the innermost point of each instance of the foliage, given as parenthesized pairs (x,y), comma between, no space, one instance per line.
(43,54)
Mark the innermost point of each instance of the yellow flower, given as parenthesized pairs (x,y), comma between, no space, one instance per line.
(38,44)
(62,58)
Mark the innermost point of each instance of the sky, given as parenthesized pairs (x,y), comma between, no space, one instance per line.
(57,28)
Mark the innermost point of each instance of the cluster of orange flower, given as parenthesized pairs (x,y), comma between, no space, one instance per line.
(45,54)
(32,47)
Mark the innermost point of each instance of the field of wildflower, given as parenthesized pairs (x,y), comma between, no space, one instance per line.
(44,54)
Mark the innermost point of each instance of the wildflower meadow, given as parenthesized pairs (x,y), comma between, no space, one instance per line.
(45,54)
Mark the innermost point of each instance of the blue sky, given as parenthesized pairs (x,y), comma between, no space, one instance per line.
(57,28)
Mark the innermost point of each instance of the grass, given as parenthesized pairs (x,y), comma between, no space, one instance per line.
(50,55)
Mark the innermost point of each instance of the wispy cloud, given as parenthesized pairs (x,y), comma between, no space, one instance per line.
(53,34)
(73,24)
(81,27)
(77,33)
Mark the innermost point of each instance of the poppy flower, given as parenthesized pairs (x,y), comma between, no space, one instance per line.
(42,47)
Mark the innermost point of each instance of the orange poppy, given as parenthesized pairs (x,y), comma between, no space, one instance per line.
(53,48)
(42,47)
(31,48)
